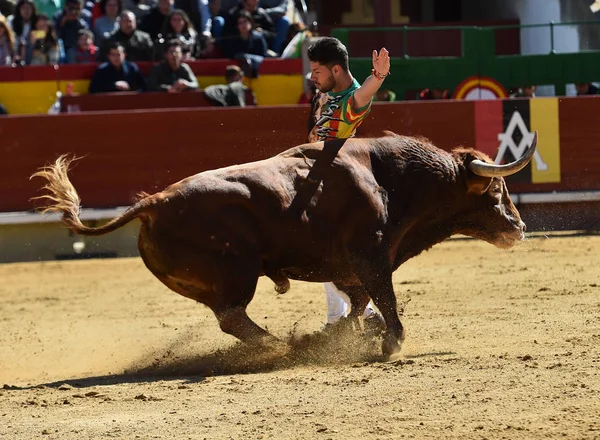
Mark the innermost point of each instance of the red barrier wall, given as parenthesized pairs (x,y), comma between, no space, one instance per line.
(147,150)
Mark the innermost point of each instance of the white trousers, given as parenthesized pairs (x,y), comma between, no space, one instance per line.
(338,304)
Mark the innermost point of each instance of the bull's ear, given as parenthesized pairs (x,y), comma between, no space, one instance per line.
(477,184)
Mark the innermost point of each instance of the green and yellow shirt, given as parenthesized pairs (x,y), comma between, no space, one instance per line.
(333,116)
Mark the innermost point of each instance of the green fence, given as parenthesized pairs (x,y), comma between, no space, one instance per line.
(478,58)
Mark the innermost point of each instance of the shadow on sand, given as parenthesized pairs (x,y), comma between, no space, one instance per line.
(174,363)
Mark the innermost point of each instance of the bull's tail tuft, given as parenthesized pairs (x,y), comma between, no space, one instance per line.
(62,195)
(63,198)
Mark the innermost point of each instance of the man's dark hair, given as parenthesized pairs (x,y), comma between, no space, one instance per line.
(113,44)
(232,71)
(329,51)
(172,43)
(245,14)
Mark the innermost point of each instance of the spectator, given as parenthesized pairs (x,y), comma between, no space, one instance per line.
(249,46)
(137,44)
(139,7)
(108,22)
(586,89)
(433,94)
(384,95)
(116,75)
(231,95)
(85,51)
(22,23)
(177,27)
(261,21)
(309,92)
(155,21)
(524,92)
(68,24)
(44,45)
(7,43)
(172,75)
(277,10)
(199,14)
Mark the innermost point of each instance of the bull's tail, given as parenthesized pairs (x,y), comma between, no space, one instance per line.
(63,198)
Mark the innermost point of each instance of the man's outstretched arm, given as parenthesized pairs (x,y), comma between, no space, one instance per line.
(381,67)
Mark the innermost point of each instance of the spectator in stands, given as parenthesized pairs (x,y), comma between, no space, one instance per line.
(44,46)
(586,89)
(69,22)
(7,43)
(21,24)
(155,21)
(177,27)
(199,14)
(48,7)
(309,91)
(85,51)
(140,8)
(137,44)
(108,22)
(116,75)
(172,75)
(384,95)
(524,92)
(249,46)
(433,94)
(231,95)
(277,10)
(261,21)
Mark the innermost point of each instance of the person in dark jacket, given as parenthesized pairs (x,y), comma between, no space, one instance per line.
(231,95)
(172,75)
(154,22)
(249,46)
(117,75)
(137,44)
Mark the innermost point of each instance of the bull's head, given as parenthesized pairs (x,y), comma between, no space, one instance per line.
(491,214)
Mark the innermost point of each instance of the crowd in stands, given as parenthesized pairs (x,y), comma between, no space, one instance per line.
(41,32)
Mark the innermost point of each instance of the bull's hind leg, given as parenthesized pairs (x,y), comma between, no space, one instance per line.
(359,299)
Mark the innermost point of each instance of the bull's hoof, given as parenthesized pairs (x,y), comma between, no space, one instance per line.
(390,345)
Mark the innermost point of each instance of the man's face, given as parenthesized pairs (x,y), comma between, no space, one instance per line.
(127,23)
(174,56)
(251,5)
(322,77)
(84,42)
(73,9)
(164,6)
(116,57)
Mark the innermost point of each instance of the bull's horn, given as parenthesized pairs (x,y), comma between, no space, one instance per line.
(484,169)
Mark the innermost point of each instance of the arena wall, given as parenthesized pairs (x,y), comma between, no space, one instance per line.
(133,151)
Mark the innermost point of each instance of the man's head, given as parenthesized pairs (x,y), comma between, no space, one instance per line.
(250,5)
(328,63)
(244,22)
(73,8)
(582,88)
(165,6)
(85,38)
(127,24)
(116,54)
(173,54)
(528,91)
(233,73)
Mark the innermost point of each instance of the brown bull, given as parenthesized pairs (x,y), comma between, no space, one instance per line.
(376,204)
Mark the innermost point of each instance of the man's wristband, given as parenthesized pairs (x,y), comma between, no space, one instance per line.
(378,75)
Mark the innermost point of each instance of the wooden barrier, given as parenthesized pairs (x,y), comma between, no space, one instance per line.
(147,150)
(137,101)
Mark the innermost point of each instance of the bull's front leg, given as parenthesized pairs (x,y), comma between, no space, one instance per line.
(377,281)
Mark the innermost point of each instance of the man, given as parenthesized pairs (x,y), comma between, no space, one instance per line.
(586,89)
(338,108)
(69,22)
(137,44)
(172,75)
(231,95)
(117,75)
(154,22)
